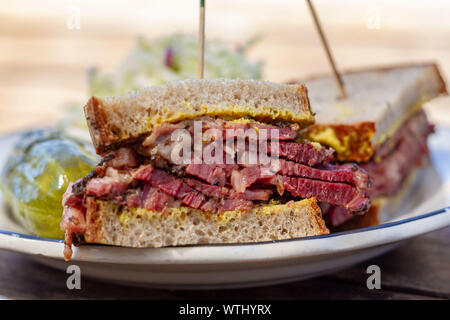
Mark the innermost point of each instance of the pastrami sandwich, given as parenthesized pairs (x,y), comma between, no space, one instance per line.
(206,161)
(381,125)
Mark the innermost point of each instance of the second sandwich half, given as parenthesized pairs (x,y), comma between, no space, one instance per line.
(206,161)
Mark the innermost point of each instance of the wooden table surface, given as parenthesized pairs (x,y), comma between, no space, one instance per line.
(43,67)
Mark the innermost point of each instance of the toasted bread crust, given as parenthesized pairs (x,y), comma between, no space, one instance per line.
(96,121)
(124,118)
(112,224)
(442,85)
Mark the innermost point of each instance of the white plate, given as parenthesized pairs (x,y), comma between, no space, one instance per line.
(241,265)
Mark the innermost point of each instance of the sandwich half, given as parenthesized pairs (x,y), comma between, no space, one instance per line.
(381,125)
(206,161)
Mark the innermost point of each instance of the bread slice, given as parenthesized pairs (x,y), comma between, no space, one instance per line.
(116,119)
(112,224)
(379,101)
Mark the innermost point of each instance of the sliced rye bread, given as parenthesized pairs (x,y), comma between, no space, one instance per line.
(113,224)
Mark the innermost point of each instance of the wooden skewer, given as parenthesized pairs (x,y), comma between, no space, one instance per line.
(336,74)
(201,40)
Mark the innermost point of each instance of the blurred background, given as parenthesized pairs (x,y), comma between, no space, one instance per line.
(47,46)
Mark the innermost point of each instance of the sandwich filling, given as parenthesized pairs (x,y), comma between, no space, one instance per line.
(395,159)
(392,163)
(216,166)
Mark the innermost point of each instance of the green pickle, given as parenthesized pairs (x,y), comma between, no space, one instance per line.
(36,176)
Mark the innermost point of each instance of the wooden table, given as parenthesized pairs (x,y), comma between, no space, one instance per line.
(417,270)
(43,66)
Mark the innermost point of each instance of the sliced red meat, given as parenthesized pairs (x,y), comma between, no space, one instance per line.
(223,192)
(183,190)
(349,173)
(162,134)
(172,187)
(74,219)
(207,189)
(210,205)
(177,188)
(395,164)
(153,198)
(73,222)
(143,172)
(389,174)
(331,192)
(222,205)
(417,127)
(361,178)
(71,199)
(359,204)
(160,177)
(106,186)
(236,130)
(337,215)
(283,133)
(304,152)
(244,178)
(211,173)
(304,172)
(193,198)
(124,158)
(251,194)
(234,204)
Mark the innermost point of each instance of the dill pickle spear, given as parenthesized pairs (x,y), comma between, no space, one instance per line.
(36,176)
